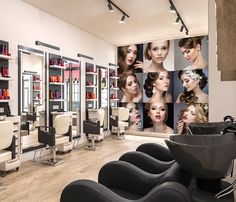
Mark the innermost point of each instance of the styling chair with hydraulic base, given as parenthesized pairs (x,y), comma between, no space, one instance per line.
(61,133)
(94,128)
(6,147)
(119,121)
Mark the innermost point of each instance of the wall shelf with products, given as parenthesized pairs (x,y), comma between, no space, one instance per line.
(5,56)
(56,87)
(91,86)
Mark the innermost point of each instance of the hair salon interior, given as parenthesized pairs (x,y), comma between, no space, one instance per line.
(112,101)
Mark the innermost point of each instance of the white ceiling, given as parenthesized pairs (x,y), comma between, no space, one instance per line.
(149,19)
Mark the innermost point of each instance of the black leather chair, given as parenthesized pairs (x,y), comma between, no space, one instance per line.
(156,151)
(146,162)
(120,181)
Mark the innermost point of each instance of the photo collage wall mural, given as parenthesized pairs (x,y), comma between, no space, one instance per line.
(164,83)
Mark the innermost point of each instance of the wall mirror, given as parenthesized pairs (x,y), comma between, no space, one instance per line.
(31,90)
(103,91)
(73,92)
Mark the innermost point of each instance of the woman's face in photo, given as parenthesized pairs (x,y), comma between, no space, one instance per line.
(163,81)
(158,51)
(134,114)
(131,56)
(188,83)
(157,112)
(131,86)
(189,115)
(190,54)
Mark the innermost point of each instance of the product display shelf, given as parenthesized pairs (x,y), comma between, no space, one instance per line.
(91,86)
(5,56)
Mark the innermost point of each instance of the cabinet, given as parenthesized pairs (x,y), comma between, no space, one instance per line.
(113,80)
(5,56)
(91,86)
(56,84)
(14,163)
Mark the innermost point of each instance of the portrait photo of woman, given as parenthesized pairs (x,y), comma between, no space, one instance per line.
(191,113)
(157,114)
(193,82)
(156,53)
(191,51)
(135,115)
(129,85)
(157,86)
(130,59)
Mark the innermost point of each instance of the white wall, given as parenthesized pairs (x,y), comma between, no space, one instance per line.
(23,24)
(222,94)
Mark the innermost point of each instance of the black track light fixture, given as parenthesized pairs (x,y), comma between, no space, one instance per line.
(122,20)
(110,7)
(178,19)
(124,14)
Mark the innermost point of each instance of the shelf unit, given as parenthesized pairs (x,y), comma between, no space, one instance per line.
(56,85)
(5,56)
(113,81)
(37,90)
(91,86)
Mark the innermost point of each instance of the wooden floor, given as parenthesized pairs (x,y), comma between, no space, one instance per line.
(35,182)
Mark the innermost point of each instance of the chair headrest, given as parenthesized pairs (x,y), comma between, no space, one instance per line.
(62,123)
(121,112)
(6,134)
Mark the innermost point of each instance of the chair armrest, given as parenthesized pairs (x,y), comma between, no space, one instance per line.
(31,116)
(12,147)
(156,150)
(91,127)
(146,162)
(168,191)
(25,126)
(127,177)
(46,135)
(114,121)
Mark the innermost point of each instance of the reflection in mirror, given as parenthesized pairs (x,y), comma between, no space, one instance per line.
(72,93)
(103,92)
(31,95)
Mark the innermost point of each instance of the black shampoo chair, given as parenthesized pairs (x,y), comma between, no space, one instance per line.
(120,181)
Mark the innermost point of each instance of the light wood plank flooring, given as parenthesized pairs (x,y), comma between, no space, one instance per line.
(36,182)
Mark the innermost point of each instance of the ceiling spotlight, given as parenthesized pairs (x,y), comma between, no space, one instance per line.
(172,9)
(110,7)
(122,20)
(186,34)
(181,28)
(176,21)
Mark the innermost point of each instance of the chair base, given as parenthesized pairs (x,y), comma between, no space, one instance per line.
(53,162)
(91,148)
(118,137)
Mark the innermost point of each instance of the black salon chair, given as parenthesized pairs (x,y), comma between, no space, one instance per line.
(94,128)
(120,181)
(156,151)
(146,162)
(60,134)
